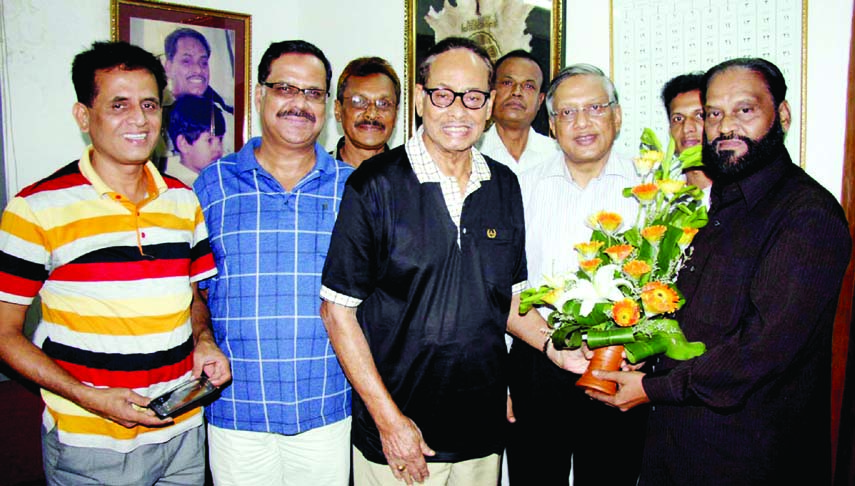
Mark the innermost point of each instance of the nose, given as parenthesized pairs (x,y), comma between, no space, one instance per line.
(582,119)
(136,115)
(371,111)
(691,126)
(517,89)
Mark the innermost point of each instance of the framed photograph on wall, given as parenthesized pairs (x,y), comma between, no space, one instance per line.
(500,26)
(206,56)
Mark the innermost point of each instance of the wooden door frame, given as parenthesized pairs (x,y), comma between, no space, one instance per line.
(843,319)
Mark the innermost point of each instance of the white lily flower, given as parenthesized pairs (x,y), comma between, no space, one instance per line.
(603,288)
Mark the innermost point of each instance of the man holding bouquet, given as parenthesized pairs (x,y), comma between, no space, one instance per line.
(761,292)
(559,195)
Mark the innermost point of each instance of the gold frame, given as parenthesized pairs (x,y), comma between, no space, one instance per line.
(411,7)
(802,109)
(122,11)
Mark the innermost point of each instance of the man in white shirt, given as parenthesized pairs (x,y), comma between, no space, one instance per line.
(519,94)
(558,196)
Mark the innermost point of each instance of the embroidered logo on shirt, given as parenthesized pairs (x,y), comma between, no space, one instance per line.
(491,233)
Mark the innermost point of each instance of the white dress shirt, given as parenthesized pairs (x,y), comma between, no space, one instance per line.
(556,211)
(538,149)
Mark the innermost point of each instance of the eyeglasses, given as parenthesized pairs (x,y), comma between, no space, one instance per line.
(289,91)
(362,103)
(594,110)
(443,97)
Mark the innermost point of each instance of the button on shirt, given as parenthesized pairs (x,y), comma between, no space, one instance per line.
(270,245)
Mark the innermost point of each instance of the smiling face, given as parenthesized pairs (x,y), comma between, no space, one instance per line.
(450,132)
(739,106)
(518,95)
(292,121)
(687,120)
(368,128)
(585,140)
(188,70)
(124,119)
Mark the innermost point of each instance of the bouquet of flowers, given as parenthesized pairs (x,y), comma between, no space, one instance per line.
(625,292)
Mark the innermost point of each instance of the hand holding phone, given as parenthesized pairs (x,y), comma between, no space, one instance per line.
(182,397)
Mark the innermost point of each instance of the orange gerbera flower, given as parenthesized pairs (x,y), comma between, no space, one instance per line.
(670,186)
(645,192)
(687,237)
(653,234)
(625,313)
(618,253)
(588,250)
(659,298)
(606,221)
(636,268)
(589,266)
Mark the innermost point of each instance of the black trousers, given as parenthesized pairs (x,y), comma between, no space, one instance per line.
(556,420)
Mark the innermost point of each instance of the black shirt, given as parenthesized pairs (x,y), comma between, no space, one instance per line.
(434,314)
(761,291)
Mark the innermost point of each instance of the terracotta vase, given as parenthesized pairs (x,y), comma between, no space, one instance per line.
(606,359)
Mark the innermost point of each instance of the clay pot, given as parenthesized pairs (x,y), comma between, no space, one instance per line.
(606,359)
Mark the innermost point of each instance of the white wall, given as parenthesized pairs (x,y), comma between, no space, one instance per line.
(40,38)
(829,24)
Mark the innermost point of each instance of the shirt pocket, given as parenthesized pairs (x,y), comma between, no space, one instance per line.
(498,252)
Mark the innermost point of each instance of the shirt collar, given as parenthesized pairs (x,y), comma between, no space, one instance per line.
(756,186)
(614,168)
(246,160)
(426,169)
(153,180)
(340,145)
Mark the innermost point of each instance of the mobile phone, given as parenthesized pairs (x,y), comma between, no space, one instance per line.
(182,397)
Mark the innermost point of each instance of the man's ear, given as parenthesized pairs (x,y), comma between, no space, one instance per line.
(540,98)
(419,98)
(337,110)
(81,116)
(785,115)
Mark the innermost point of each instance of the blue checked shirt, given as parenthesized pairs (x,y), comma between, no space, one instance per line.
(269,245)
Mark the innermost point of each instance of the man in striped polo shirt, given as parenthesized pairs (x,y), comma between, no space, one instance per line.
(114,250)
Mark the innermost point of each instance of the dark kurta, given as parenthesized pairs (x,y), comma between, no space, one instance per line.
(434,314)
(761,291)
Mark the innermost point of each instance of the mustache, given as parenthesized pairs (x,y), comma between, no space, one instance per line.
(300,113)
(371,123)
(723,138)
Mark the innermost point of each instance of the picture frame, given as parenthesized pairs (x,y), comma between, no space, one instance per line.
(500,26)
(226,85)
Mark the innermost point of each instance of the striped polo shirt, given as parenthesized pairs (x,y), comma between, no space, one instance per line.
(115,279)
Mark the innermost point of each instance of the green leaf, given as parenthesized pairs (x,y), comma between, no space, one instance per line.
(662,335)
(617,335)
(650,140)
(691,157)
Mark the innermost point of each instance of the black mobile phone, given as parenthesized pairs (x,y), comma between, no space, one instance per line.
(182,396)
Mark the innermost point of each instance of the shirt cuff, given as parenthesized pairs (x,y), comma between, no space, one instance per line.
(330,295)
(519,287)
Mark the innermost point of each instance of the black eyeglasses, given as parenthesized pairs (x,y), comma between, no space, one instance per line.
(443,97)
(286,90)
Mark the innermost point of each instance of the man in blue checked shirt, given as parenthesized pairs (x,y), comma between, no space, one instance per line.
(270,210)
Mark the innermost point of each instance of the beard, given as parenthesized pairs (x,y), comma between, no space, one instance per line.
(726,166)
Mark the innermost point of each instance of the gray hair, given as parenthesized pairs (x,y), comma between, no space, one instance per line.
(579,70)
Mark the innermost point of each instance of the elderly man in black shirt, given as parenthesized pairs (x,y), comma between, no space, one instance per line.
(761,291)
(422,280)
